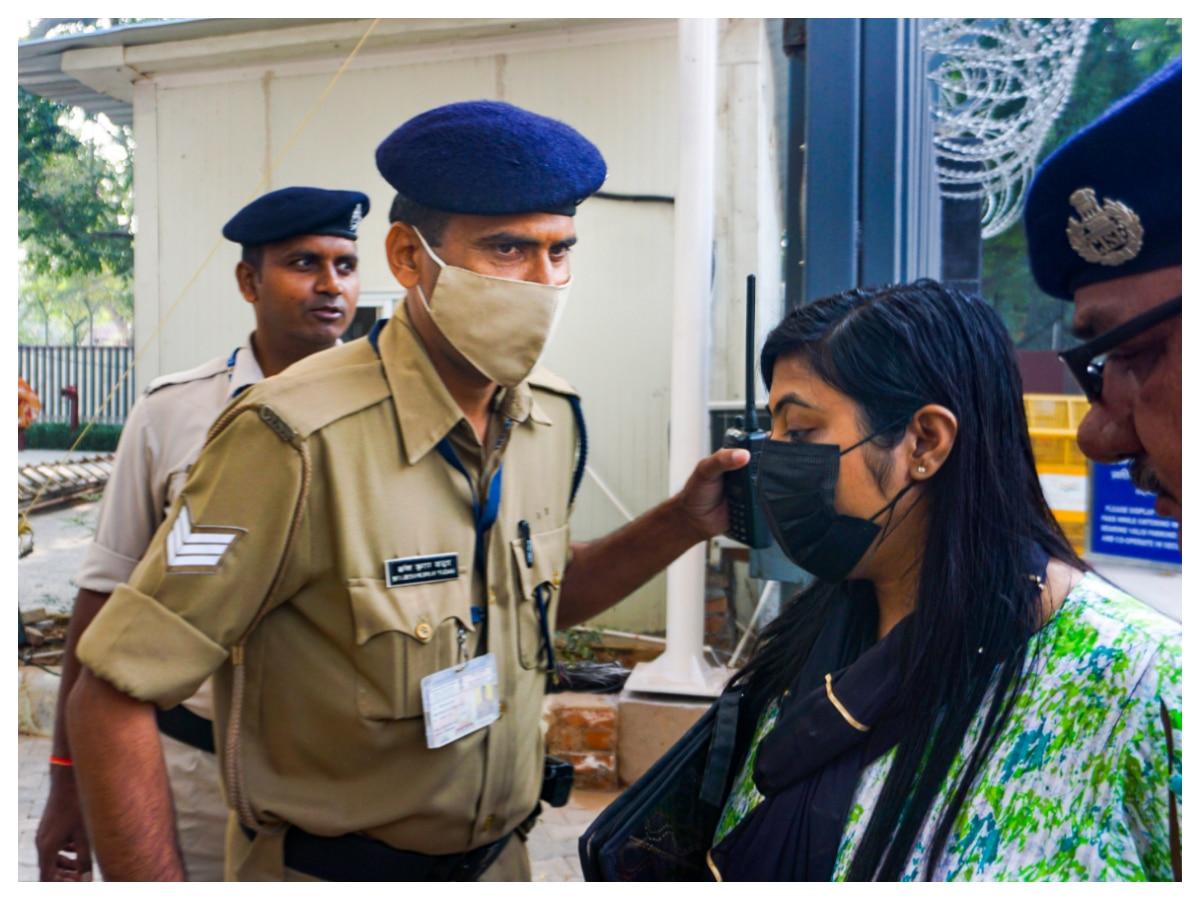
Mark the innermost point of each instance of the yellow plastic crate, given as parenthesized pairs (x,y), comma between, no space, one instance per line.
(1053,420)
(1055,411)
(1057,450)
(1075,530)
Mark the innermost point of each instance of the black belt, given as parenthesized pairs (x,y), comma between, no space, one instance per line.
(184,725)
(356,857)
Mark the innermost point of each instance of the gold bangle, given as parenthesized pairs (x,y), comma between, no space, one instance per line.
(712,866)
(837,704)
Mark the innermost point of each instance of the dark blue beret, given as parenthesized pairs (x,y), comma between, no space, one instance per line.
(293,211)
(1109,202)
(490,159)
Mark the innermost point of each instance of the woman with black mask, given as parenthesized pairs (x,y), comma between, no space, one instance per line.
(956,696)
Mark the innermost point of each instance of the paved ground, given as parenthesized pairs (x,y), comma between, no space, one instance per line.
(553,845)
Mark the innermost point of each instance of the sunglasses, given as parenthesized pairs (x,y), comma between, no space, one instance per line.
(1086,361)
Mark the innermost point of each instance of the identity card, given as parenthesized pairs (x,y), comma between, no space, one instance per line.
(460,700)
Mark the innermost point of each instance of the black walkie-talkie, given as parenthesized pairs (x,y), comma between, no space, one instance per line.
(746,522)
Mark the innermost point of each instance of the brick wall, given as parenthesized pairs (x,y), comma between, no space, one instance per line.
(582,729)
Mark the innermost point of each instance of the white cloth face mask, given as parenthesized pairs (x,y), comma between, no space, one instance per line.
(499,325)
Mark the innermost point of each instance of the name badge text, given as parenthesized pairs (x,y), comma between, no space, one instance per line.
(420,569)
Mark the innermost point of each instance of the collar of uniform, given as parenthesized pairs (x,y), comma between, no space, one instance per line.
(519,404)
(246,370)
(425,411)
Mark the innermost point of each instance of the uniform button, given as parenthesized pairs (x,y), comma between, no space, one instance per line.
(492,597)
(503,709)
(424,632)
(487,823)
(556,579)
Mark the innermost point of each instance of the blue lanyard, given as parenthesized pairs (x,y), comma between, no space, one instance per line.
(485,517)
(230,363)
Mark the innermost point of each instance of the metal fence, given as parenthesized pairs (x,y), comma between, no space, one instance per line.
(92,371)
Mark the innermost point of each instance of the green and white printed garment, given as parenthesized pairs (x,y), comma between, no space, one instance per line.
(1077,786)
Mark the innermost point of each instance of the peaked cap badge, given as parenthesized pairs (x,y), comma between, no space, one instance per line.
(1109,235)
(356,217)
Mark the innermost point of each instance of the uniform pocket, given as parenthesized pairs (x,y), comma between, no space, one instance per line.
(549,561)
(401,635)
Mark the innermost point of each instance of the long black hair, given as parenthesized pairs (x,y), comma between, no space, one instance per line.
(893,350)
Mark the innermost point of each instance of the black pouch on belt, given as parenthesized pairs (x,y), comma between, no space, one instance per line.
(557,777)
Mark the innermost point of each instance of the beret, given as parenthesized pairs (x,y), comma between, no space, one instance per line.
(293,211)
(489,158)
(1109,202)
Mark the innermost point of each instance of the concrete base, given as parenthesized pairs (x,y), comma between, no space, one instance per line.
(37,697)
(679,676)
(650,724)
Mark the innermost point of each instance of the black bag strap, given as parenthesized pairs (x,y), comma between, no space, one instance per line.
(721,749)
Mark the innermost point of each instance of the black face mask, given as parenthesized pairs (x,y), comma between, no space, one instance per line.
(797,484)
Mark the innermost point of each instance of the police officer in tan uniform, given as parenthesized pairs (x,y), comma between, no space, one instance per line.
(300,271)
(373,551)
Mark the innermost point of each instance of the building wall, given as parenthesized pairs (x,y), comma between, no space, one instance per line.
(210,141)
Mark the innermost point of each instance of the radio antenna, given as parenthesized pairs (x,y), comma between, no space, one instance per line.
(751,406)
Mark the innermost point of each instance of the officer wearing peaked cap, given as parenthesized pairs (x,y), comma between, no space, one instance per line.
(299,270)
(1104,220)
(383,652)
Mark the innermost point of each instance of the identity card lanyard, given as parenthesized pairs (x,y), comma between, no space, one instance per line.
(485,516)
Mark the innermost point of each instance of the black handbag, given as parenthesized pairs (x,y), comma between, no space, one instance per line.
(661,827)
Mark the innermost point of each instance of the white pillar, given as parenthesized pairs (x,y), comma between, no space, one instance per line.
(682,668)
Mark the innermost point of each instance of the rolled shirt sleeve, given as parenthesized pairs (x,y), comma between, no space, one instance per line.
(131,509)
(209,569)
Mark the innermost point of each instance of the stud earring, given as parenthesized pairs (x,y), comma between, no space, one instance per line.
(920,470)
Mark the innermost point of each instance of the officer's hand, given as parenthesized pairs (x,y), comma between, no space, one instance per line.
(703,497)
(64,853)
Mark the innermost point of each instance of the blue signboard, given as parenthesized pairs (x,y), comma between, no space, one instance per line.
(1123,522)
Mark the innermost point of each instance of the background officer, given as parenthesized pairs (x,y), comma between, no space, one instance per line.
(388,552)
(299,270)
(1104,223)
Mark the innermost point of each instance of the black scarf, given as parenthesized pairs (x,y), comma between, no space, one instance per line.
(809,764)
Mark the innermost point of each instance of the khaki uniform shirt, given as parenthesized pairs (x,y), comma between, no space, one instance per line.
(270,571)
(162,437)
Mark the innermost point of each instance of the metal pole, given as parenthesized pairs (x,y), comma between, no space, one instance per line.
(682,668)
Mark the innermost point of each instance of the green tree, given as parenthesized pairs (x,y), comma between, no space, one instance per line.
(74,212)
(1120,54)
(73,203)
(61,309)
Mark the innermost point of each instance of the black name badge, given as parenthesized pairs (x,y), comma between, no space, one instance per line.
(420,569)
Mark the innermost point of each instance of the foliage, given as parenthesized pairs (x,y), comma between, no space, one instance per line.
(1121,53)
(578,644)
(58,436)
(74,203)
(60,309)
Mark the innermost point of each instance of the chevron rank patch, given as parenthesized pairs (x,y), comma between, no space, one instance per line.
(197,548)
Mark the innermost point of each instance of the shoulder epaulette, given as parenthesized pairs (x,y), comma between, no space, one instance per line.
(543,379)
(320,389)
(217,366)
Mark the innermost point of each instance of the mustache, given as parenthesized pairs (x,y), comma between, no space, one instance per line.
(1143,477)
